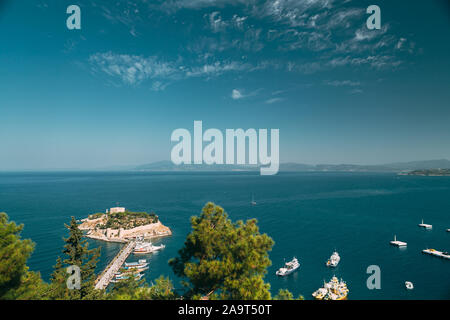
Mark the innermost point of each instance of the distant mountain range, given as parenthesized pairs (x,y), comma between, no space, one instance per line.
(298,167)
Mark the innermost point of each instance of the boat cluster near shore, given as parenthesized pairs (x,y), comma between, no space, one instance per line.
(333,290)
(135,269)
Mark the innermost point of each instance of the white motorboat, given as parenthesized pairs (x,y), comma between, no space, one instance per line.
(288,268)
(334,260)
(147,247)
(409,285)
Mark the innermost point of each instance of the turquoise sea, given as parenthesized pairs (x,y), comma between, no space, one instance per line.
(307,214)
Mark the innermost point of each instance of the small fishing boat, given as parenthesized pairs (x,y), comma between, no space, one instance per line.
(135,269)
(409,285)
(142,263)
(124,276)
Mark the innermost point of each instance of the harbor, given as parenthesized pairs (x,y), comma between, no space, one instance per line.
(113,267)
(112,274)
(293,237)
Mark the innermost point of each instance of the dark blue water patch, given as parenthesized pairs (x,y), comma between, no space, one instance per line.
(307,214)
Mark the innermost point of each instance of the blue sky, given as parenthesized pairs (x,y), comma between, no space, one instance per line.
(113,92)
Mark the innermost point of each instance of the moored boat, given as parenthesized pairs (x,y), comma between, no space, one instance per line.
(124,276)
(409,285)
(288,268)
(334,260)
(142,263)
(147,247)
(333,290)
(440,254)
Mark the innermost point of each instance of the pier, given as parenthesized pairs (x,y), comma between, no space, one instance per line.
(107,275)
(397,243)
(425,225)
(436,253)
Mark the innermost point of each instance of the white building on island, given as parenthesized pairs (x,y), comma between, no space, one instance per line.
(116,210)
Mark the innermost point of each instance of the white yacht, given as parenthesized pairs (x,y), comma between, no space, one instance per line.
(334,260)
(288,268)
(146,247)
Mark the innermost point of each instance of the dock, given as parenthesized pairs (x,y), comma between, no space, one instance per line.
(437,253)
(113,267)
(424,225)
(397,243)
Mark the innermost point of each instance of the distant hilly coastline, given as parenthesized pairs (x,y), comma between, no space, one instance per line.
(298,167)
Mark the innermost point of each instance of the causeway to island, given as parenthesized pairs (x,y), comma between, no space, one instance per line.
(120,225)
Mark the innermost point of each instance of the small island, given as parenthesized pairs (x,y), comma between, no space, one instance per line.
(121,225)
(429,173)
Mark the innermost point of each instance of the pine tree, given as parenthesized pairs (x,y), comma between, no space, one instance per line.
(284,294)
(161,290)
(223,260)
(77,252)
(16,282)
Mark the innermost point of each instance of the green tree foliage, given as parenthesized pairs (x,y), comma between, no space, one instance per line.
(127,289)
(16,282)
(77,253)
(132,289)
(161,290)
(284,294)
(222,259)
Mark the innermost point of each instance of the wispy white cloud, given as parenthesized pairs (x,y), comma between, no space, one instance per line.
(296,13)
(332,33)
(134,69)
(236,94)
(217,24)
(216,69)
(342,83)
(274,100)
(356,91)
(173,5)
(159,86)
